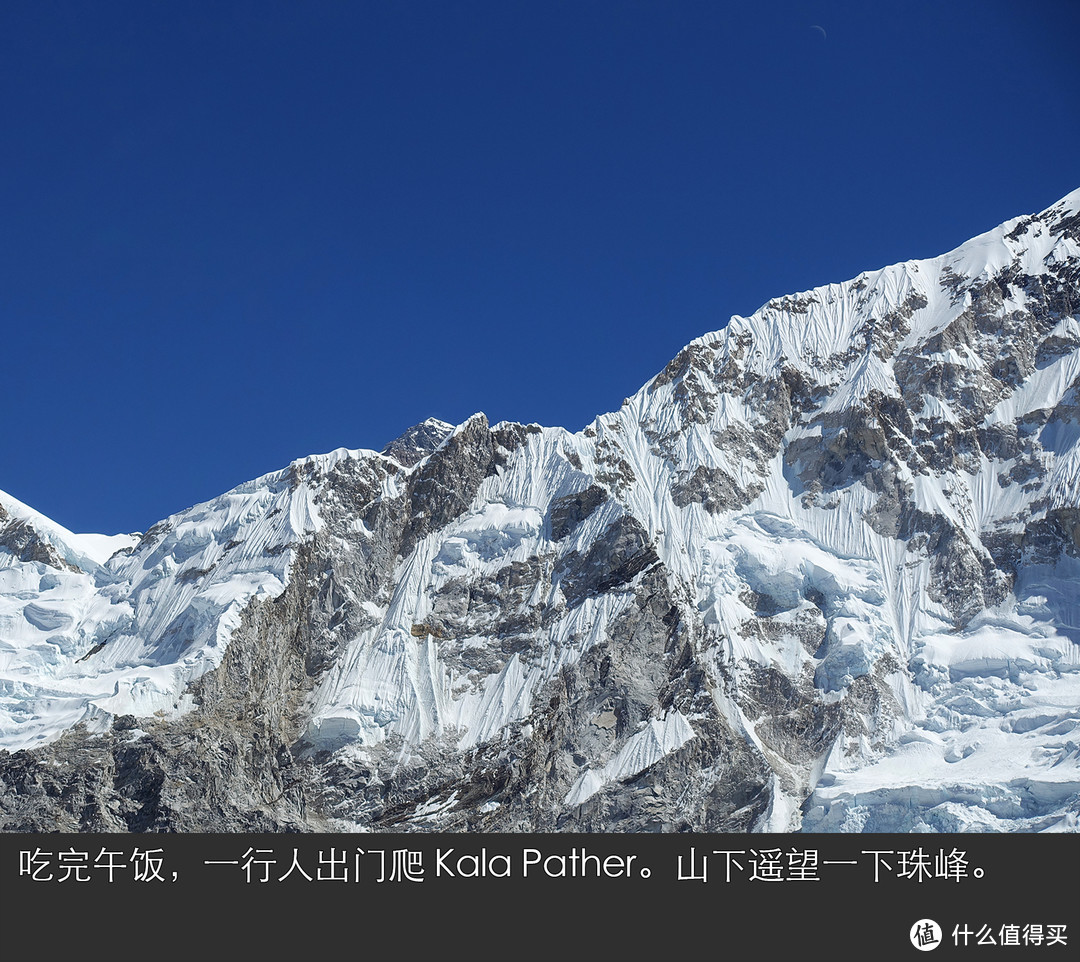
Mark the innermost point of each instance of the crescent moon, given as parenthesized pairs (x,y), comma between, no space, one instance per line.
(814,26)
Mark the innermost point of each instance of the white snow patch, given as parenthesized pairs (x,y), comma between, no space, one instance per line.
(659,737)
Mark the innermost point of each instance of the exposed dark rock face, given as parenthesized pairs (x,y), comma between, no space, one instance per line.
(26,543)
(582,718)
(570,510)
(418,442)
(615,559)
(445,485)
(714,489)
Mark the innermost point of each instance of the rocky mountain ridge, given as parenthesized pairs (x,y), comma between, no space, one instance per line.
(818,574)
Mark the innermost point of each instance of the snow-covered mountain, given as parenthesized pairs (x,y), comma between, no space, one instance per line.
(820,573)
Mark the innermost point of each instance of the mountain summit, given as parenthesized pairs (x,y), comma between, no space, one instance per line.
(819,573)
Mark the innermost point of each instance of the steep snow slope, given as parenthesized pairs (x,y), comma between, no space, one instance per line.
(819,573)
(92,627)
(902,448)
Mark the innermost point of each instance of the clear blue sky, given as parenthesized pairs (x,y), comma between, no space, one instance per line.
(233,234)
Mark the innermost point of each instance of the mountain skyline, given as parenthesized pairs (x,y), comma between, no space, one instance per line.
(816,574)
(242,233)
(413,440)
